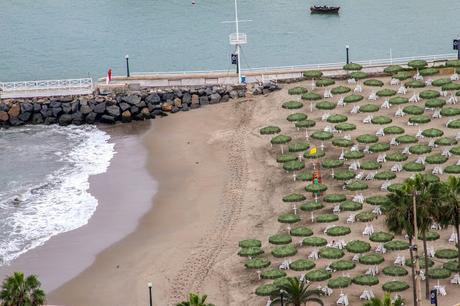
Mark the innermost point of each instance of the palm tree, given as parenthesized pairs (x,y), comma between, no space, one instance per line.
(195,300)
(385,301)
(450,206)
(399,219)
(296,293)
(19,291)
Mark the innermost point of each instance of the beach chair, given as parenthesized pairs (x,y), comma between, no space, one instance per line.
(366,149)
(328,94)
(356,257)
(354,148)
(437,170)
(455,279)
(377,211)
(348,137)
(341,102)
(419,134)
(395,82)
(343,300)
(359,198)
(336,209)
(452,100)
(402,90)
(372,97)
(443,93)
(351,219)
(446,153)
(453,238)
(406,151)
(380,132)
(399,261)
(381,158)
(368,119)
(430,251)
(420,160)
(351,81)
(359,176)
(415,98)
(325,116)
(353,166)
(358,89)
(432,143)
(436,114)
(385,105)
(428,82)
(380,249)
(454,77)
(355,109)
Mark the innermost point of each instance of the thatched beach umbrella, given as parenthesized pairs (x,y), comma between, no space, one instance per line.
(280,140)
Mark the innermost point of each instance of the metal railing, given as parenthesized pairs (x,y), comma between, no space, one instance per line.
(47,85)
(338,65)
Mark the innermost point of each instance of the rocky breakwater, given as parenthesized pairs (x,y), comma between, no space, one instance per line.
(118,106)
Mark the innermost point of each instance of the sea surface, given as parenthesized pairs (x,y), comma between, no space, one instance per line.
(55,39)
(44,183)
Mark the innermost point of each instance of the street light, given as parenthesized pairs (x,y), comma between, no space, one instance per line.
(127,65)
(348,57)
(149,284)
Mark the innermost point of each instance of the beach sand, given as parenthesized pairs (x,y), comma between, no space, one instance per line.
(219,183)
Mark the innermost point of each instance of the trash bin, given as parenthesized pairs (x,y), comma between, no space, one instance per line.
(243,79)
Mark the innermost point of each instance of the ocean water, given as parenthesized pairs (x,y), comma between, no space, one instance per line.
(53,39)
(44,183)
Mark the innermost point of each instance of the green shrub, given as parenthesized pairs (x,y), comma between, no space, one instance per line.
(417,64)
(250,252)
(310,206)
(311,96)
(302,265)
(317,275)
(270,130)
(334,198)
(340,90)
(342,265)
(381,120)
(344,175)
(338,231)
(316,188)
(337,118)
(371,259)
(288,218)
(429,94)
(420,149)
(436,159)
(366,280)
(272,274)
(406,139)
(386,92)
(392,130)
(250,243)
(324,82)
(331,163)
(284,251)
(298,147)
(312,74)
(342,142)
(296,117)
(445,141)
(451,86)
(350,206)
(398,100)
(421,262)
(369,108)
(413,167)
(379,147)
(281,139)
(367,138)
(297,90)
(431,178)
(325,105)
(435,103)
(441,82)
(415,84)
(395,286)
(452,265)
(305,176)
(395,271)
(452,169)
(331,253)
(377,200)
(294,197)
(358,246)
(413,110)
(322,135)
(373,82)
(353,98)
(318,154)
(344,126)
(381,237)
(324,218)
(365,216)
(432,133)
(352,67)
(301,231)
(266,290)
(281,282)
(420,119)
(455,150)
(394,187)
(356,185)
(292,105)
(438,273)
(353,155)
(450,111)
(305,123)
(392,69)
(370,165)
(446,254)
(257,263)
(358,75)
(280,239)
(402,75)
(314,241)
(454,124)
(339,282)
(429,71)
(430,236)
(285,158)
(385,175)
(396,245)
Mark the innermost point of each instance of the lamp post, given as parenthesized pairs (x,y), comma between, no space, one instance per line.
(415,247)
(150,293)
(348,57)
(127,65)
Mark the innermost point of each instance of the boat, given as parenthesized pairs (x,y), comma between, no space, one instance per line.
(325,9)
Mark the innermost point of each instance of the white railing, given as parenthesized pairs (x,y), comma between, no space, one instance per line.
(338,65)
(47,85)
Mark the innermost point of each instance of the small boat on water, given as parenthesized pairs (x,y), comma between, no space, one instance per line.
(325,9)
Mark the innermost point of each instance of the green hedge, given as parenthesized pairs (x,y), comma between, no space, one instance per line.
(352,67)
(415,84)
(270,130)
(302,265)
(281,139)
(455,150)
(288,218)
(350,206)
(356,185)
(301,231)
(338,231)
(395,271)
(429,94)
(340,90)
(337,118)
(257,263)
(250,252)
(322,135)
(314,241)
(420,149)
(283,158)
(294,197)
(339,282)
(373,82)
(393,130)
(342,265)
(370,165)
(430,236)
(450,111)
(334,198)
(366,280)
(396,156)
(377,200)
(435,103)
(296,117)
(385,175)
(413,167)
(324,82)
(353,98)
(316,188)
(452,265)
(421,262)
(353,155)
(417,64)
(454,124)
(406,139)
(402,75)
(395,286)
(439,273)
(358,246)
(305,123)
(358,75)
(381,120)
(379,147)
(250,243)
(429,71)
(312,74)
(432,133)
(446,254)
(365,216)
(345,126)
(369,108)
(367,138)
(324,218)
(297,90)
(371,259)
(381,237)
(280,239)
(342,142)
(331,163)
(319,154)
(392,69)
(272,274)
(452,169)
(396,245)
(386,92)
(292,105)
(311,96)
(436,159)
(284,251)
(298,147)
(446,141)
(325,105)
(398,100)
(394,187)
(441,82)
(305,176)
(311,206)
(266,290)
(413,110)
(331,253)
(451,86)
(344,175)
(317,275)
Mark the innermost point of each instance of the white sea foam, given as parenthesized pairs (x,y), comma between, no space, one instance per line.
(62,201)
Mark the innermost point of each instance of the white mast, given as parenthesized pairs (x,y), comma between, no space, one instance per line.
(238,39)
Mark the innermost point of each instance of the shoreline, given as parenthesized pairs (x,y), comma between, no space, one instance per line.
(73,251)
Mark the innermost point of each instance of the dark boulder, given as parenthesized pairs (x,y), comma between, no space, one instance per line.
(214,98)
(124,106)
(187,98)
(167,96)
(37,107)
(91,118)
(153,98)
(99,108)
(27,107)
(50,120)
(37,118)
(78,118)
(204,100)
(85,109)
(25,116)
(107,119)
(16,122)
(131,99)
(55,103)
(113,111)
(65,119)
(66,108)
(56,111)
